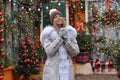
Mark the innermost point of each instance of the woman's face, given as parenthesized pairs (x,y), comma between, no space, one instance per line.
(58,20)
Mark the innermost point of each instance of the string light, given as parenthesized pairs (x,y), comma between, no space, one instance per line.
(38,9)
(22,7)
(29,9)
(47,7)
(59,4)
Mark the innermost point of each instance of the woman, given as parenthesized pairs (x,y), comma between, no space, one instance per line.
(59,43)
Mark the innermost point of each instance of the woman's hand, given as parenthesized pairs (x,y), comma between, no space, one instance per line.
(63,32)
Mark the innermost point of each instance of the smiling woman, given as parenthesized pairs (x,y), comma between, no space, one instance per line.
(60,5)
(59,43)
(56,19)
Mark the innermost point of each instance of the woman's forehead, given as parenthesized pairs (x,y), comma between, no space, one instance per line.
(57,15)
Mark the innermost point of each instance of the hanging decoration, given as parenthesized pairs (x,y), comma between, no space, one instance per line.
(108,4)
(110,17)
(37,23)
(80,25)
(102,66)
(71,14)
(77,14)
(103,17)
(29,19)
(2,53)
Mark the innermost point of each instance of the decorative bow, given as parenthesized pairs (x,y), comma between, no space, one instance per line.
(80,25)
(108,4)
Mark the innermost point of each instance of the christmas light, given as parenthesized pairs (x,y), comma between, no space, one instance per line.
(22,7)
(47,7)
(38,9)
(59,4)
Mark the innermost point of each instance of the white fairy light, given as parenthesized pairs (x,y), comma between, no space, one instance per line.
(22,7)
(59,4)
(29,9)
(14,4)
(38,9)
(46,7)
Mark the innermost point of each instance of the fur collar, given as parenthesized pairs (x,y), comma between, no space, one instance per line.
(50,33)
(72,33)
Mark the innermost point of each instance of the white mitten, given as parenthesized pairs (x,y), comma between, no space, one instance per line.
(63,32)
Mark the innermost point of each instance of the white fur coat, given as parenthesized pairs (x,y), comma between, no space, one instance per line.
(54,47)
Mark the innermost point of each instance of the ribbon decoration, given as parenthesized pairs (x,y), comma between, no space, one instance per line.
(1,13)
(110,65)
(97,65)
(108,4)
(102,65)
(80,25)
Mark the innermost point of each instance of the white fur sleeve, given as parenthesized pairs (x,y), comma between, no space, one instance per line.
(52,47)
(50,40)
(70,42)
(72,47)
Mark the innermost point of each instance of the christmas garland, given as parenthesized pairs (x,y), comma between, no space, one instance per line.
(2,54)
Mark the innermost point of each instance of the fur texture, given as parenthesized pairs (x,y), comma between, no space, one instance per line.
(50,33)
(65,70)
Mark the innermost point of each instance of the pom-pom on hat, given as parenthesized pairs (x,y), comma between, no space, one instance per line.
(52,13)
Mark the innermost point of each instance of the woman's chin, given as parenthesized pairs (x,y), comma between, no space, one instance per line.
(59,25)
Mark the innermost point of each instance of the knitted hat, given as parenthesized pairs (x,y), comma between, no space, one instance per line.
(52,13)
